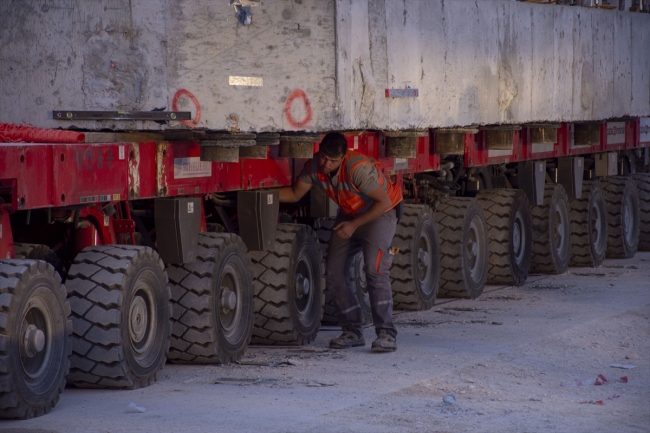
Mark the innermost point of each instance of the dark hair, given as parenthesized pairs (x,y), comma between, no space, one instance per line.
(334,145)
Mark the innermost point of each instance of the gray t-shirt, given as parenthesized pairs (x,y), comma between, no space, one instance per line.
(364,177)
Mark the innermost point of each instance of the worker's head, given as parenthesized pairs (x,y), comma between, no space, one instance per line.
(331,153)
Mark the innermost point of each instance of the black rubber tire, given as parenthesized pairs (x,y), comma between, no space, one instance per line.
(353,271)
(39,252)
(510,235)
(281,317)
(415,273)
(588,226)
(31,295)
(623,222)
(109,286)
(551,232)
(215,228)
(643,187)
(462,226)
(203,330)
(285,218)
(323,232)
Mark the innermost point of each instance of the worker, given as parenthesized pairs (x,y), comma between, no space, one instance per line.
(367,218)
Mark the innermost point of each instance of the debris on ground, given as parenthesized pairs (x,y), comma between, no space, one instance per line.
(244,381)
(597,381)
(599,402)
(624,366)
(320,384)
(449,399)
(134,408)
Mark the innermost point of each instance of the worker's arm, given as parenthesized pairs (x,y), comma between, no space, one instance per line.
(293,193)
(378,208)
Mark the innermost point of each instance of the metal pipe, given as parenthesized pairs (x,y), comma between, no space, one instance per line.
(447,165)
(222,202)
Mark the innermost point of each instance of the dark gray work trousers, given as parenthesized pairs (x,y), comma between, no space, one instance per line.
(374,239)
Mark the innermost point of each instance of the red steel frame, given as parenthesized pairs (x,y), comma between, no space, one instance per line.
(614,136)
(37,176)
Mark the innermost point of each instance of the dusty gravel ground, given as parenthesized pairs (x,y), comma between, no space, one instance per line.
(504,356)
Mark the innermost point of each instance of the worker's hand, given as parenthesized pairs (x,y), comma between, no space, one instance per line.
(345,229)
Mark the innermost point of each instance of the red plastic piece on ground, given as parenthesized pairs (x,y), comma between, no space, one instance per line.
(598,402)
(12,133)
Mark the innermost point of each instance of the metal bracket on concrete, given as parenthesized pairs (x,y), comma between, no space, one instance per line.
(122,115)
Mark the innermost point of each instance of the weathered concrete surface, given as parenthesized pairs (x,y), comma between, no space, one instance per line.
(319,65)
(290,46)
(504,356)
(489,62)
(78,55)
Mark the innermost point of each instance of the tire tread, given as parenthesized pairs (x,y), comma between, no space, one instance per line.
(97,274)
(194,336)
(14,275)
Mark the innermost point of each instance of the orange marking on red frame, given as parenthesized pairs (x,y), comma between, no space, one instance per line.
(297,94)
(197,117)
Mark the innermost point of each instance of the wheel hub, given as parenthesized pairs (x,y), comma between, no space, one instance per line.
(139,318)
(472,248)
(302,286)
(33,341)
(423,258)
(228,300)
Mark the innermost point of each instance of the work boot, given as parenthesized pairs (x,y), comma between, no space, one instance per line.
(384,342)
(347,339)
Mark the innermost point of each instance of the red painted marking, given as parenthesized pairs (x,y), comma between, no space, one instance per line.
(297,94)
(197,117)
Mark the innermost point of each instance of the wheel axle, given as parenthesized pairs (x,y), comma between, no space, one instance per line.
(228,300)
(302,286)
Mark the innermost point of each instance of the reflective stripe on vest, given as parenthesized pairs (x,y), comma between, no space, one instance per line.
(351,200)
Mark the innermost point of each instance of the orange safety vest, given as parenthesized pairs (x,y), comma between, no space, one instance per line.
(345,194)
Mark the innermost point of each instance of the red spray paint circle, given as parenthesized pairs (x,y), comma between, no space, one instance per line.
(297,94)
(197,117)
